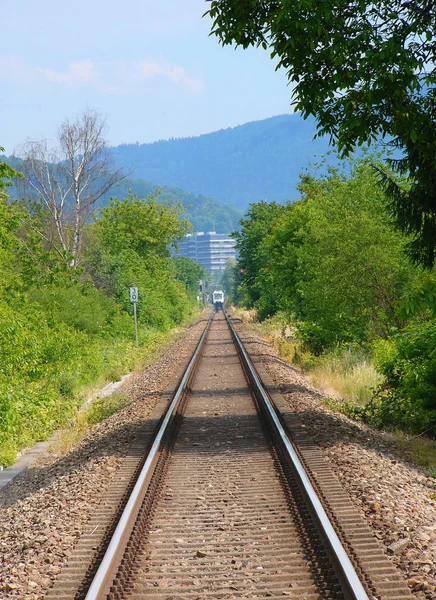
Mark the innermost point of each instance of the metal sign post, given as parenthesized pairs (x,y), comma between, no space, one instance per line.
(134,300)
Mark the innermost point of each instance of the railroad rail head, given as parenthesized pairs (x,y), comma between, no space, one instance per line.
(101,583)
(118,563)
(353,587)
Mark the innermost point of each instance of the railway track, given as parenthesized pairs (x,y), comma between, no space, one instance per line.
(225,504)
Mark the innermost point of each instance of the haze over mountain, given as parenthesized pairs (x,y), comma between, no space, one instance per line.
(257,161)
(215,176)
(205,214)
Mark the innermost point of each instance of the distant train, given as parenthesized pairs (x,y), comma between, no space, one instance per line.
(218,299)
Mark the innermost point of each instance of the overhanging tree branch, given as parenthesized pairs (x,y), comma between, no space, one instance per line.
(366,71)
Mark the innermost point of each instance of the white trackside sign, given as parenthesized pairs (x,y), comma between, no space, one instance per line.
(134,294)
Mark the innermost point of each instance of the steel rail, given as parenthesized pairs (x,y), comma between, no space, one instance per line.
(112,557)
(354,586)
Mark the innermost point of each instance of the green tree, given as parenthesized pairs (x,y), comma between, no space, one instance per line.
(231,280)
(6,173)
(277,276)
(128,245)
(254,227)
(365,70)
(351,270)
(190,273)
(142,226)
(332,261)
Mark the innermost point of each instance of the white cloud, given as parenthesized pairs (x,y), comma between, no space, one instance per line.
(78,73)
(112,77)
(147,69)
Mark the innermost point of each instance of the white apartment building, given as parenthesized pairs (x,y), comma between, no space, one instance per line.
(210,249)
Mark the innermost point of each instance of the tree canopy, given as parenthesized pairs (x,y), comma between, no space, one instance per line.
(6,172)
(332,261)
(190,273)
(366,71)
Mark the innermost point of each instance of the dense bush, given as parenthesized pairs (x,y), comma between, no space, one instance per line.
(335,265)
(47,362)
(64,329)
(82,307)
(407,399)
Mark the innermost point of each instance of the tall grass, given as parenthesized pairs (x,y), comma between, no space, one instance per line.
(85,419)
(346,374)
(276,332)
(420,449)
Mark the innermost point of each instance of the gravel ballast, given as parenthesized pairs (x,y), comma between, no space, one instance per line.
(44,511)
(396,497)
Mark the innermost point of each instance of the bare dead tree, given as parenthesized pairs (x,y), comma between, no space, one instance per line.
(44,175)
(69,181)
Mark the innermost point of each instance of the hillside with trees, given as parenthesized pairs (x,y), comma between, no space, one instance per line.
(333,269)
(204,213)
(65,315)
(257,161)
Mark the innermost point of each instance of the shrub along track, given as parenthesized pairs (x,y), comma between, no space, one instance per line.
(46,509)
(226,517)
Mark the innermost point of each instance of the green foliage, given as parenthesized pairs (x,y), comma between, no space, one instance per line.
(101,408)
(420,298)
(82,307)
(59,332)
(332,260)
(9,224)
(413,366)
(254,228)
(407,399)
(140,226)
(45,363)
(350,265)
(365,70)
(190,273)
(6,172)
(385,354)
(231,280)
(129,246)
(334,264)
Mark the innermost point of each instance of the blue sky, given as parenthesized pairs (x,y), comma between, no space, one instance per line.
(149,67)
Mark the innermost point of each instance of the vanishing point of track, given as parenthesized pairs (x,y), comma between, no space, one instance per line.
(230,500)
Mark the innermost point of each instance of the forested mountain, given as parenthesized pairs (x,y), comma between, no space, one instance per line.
(224,171)
(257,161)
(205,214)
